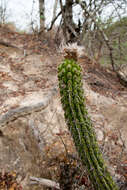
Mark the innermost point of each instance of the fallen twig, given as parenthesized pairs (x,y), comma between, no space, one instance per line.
(45,182)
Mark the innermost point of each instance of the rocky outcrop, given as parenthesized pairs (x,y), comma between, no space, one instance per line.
(122,75)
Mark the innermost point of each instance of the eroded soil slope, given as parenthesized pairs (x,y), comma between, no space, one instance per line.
(32,123)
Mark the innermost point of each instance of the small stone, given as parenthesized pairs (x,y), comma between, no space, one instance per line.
(99,134)
(119,142)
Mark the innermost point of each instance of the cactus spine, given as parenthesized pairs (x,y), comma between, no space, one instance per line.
(80,125)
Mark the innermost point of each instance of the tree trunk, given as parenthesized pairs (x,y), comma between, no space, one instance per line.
(68,12)
(41,14)
(54,9)
(68,26)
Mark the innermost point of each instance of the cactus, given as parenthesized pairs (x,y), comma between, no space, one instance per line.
(80,125)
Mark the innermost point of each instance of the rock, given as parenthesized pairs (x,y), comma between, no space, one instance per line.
(10,85)
(99,134)
(24,139)
(122,75)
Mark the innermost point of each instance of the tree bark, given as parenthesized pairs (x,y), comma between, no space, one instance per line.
(54,9)
(41,14)
(68,26)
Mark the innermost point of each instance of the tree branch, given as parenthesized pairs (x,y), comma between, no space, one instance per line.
(72,30)
(54,20)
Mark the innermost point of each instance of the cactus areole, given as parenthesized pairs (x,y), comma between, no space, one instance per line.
(80,125)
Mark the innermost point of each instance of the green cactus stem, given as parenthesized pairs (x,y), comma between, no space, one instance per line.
(80,125)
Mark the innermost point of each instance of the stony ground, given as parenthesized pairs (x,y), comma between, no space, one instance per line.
(34,140)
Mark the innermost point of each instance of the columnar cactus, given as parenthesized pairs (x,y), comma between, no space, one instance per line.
(80,125)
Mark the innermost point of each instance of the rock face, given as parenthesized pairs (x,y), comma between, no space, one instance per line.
(27,131)
(122,74)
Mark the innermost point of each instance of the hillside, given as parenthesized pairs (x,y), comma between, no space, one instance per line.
(33,133)
(116,32)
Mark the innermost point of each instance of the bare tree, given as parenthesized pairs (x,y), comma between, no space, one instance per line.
(96,32)
(41,13)
(3,11)
(70,29)
(54,9)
